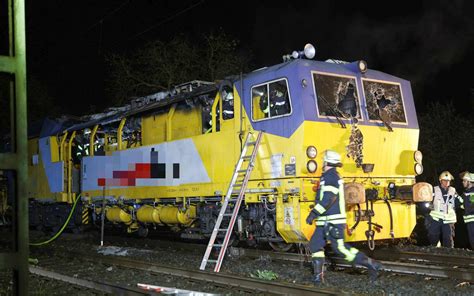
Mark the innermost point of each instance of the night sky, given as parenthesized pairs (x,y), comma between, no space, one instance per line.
(430,43)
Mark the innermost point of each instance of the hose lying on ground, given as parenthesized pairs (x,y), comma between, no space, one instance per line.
(62,228)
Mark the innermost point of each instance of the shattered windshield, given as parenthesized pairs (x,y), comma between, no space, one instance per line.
(336,93)
(384,101)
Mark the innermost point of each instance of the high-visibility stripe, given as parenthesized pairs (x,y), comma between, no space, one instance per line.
(332,217)
(330,188)
(342,200)
(447,218)
(349,256)
(468,218)
(337,221)
(354,251)
(436,215)
(318,254)
(320,208)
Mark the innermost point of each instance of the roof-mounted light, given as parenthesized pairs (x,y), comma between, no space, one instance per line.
(308,52)
(362,66)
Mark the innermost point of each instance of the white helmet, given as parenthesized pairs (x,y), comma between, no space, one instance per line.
(332,157)
(446,176)
(468,177)
(229,96)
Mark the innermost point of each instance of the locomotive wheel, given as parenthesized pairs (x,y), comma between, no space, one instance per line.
(280,246)
(142,231)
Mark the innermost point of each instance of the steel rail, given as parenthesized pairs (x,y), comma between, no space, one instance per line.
(220,279)
(443,271)
(98,286)
(425,257)
(440,265)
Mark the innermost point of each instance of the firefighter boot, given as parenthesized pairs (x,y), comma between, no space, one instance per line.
(373,267)
(318,265)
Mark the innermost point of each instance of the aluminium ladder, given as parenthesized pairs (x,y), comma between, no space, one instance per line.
(238,185)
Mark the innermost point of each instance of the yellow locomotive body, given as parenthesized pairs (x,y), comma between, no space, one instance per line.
(168,161)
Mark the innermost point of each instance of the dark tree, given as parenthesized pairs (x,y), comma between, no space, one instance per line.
(446,142)
(160,65)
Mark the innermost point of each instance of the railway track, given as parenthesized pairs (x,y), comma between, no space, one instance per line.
(394,261)
(223,280)
(403,262)
(101,286)
(432,265)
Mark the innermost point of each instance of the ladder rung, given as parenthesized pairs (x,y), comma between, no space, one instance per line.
(218,245)
(227,215)
(251,143)
(211,261)
(241,171)
(222,229)
(247,157)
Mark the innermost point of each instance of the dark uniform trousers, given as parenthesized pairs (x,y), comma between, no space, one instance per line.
(468,204)
(437,230)
(334,233)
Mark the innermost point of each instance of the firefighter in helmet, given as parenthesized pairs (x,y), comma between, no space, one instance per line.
(440,222)
(278,103)
(468,204)
(227,104)
(330,215)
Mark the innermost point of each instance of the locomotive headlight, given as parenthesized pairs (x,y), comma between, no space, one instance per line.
(309,51)
(418,156)
(311,152)
(312,166)
(418,168)
(362,66)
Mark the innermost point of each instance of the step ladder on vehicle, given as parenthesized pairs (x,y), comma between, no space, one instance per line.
(227,216)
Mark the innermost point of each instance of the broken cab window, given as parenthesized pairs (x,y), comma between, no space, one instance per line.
(336,96)
(384,101)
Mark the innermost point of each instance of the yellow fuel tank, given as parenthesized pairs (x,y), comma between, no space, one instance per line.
(172,215)
(117,214)
(149,214)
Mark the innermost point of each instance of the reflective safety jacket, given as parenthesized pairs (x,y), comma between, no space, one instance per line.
(330,202)
(468,205)
(444,204)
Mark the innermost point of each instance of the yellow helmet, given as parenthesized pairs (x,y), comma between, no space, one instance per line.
(446,176)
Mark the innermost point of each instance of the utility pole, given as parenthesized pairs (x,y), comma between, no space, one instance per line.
(14,161)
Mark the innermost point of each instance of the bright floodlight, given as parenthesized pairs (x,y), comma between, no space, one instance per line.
(309,51)
(362,66)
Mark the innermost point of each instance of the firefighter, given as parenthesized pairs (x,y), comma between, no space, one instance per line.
(442,217)
(228,105)
(278,103)
(468,204)
(330,215)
